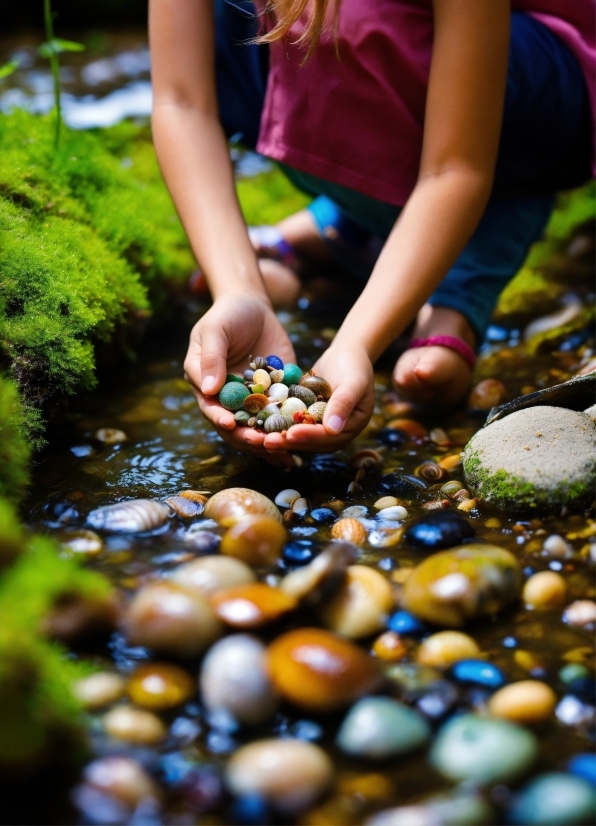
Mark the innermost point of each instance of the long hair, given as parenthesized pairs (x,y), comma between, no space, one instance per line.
(322,17)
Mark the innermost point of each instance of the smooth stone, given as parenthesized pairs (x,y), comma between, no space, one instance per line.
(134,725)
(464,583)
(211,574)
(391,437)
(323,515)
(539,459)
(379,727)
(234,678)
(390,647)
(481,750)
(256,540)
(462,808)
(553,799)
(299,552)
(583,765)
(290,774)
(99,689)
(292,374)
(83,542)
(170,619)
(526,702)
(437,530)
(395,484)
(478,672)
(320,671)
(232,504)
(402,622)
(571,672)
(122,778)
(444,648)
(160,686)
(361,605)
(252,605)
(545,590)
(581,613)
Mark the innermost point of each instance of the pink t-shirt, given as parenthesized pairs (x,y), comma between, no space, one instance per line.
(358,121)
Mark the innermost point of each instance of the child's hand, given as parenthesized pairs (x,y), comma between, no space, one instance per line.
(350,374)
(235,327)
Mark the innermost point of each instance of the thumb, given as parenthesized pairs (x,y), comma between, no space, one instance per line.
(214,351)
(339,407)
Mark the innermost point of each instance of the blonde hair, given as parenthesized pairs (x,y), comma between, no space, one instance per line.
(322,17)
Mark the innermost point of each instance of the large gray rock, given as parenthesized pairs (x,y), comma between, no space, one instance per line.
(539,458)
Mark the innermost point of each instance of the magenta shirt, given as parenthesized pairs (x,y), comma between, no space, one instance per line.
(313,114)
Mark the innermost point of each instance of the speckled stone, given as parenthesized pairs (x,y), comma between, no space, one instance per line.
(483,750)
(539,458)
(379,727)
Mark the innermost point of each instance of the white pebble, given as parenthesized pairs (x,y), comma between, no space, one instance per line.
(272,408)
(556,546)
(121,778)
(301,506)
(134,725)
(285,498)
(395,512)
(99,689)
(580,613)
(278,392)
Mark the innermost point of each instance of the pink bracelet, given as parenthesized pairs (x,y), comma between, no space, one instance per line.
(451,342)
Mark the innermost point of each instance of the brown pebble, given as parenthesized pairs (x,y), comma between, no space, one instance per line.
(390,647)
(134,725)
(350,530)
(486,394)
(252,605)
(210,574)
(319,671)
(160,686)
(256,540)
(525,702)
(544,590)
(110,436)
(410,427)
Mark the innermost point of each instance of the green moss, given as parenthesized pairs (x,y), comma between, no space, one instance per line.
(14,444)
(508,492)
(268,198)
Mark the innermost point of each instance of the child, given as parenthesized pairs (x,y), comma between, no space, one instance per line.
(433,135)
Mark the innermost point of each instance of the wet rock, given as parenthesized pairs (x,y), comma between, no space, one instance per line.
(437,530)
(483,750)
(234,678)
(252,605)
(289,774)
(404,487)
(122,778)
(362,604)
(454,586)
(319,671)
(160,686)
(171,620)
(526,702)
(256,540)
(231,505)
(134,726)
(445,648)
(99,689)
(132,516)
(539,458)
(379,727)
(554,798)
(211,574)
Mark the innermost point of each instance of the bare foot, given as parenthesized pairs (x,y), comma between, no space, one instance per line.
(435,374)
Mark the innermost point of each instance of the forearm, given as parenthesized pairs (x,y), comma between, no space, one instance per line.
(433,228)
(194,159)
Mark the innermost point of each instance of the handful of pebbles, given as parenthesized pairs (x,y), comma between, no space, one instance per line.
(273,396)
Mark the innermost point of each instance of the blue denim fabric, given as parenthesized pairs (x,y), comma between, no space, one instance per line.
(545,146)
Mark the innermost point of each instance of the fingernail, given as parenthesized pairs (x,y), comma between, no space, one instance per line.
(335,424)
(208,385)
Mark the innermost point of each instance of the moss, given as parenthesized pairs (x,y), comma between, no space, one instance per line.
(14,445)
(269,198)
(36,701)
(508,492)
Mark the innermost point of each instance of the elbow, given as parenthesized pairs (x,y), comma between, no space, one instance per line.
(476,180)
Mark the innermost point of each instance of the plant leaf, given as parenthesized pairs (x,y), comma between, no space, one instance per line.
(8,68)
(57,45)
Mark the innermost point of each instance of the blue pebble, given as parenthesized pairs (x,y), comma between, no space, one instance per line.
(403,622)
(584,688)
(250,809)
(509,642)
(306,730)
(479,673)
(297,553)
(391,436)
(437,530)
(583,765)
(323,515)
(275,362)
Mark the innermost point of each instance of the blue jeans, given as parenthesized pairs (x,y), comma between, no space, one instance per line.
(545,147)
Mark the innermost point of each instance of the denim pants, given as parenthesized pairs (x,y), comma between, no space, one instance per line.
(544,147)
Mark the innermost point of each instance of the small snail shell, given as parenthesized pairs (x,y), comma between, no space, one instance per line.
(278,392)
(319,386)
(317,410)
(301,506)
(241,417)
(366,459)
(285,497)
(278,423)
(350,530)
(183,506)
(431,471)
(262,377)
(258,363)
(297,391)
(133,516)
(255,403)
(291,406)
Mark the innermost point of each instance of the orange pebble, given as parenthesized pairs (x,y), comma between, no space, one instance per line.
(257,540)
(160,685)
(251,605)
(412,428)
(390,646)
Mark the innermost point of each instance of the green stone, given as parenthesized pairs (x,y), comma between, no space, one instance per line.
(572,671)
(292,374)
(554,799)
(483,750)
(231,377)
(378,727)
(232,395)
